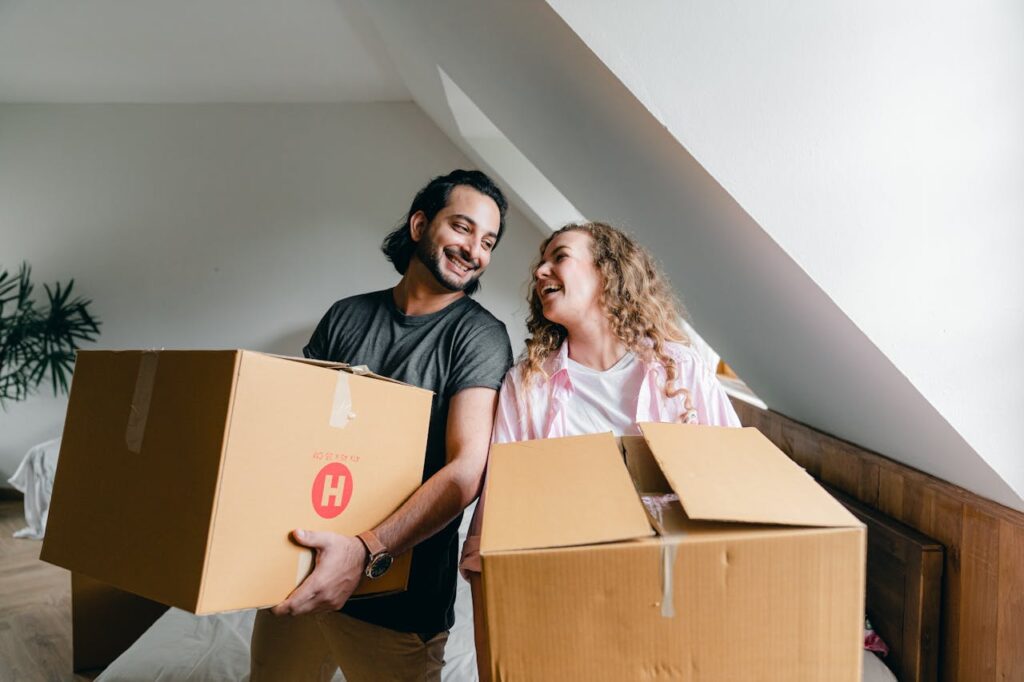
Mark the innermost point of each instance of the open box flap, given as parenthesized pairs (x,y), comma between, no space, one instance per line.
(360,370)
(560,492)
(730,474)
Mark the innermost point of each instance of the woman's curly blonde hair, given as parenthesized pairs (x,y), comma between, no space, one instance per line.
(636,298)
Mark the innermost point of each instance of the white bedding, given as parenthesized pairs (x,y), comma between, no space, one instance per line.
(875,670)
(34,477)
(182,647)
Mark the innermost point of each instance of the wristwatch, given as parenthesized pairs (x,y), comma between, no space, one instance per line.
(380,558)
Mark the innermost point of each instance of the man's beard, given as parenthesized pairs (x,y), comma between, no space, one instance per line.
(431,256)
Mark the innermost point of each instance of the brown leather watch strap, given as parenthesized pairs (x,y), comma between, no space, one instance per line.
(373,545)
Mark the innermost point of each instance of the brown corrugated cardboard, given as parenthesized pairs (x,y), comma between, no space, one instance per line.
(580,481)
(105,621)
(727,474)
(778,596)
(181,473)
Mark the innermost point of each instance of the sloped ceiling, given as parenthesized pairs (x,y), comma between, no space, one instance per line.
(881,147)
(630,113)
(547,92)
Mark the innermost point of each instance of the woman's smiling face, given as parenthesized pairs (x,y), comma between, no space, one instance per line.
(568,283)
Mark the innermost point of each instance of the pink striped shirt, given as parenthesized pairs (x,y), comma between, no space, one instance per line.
(539,410)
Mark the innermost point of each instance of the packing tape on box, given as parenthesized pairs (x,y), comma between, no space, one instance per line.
(341,408)
(668,562)
(139,410)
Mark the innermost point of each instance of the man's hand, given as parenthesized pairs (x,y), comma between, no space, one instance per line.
(340,561)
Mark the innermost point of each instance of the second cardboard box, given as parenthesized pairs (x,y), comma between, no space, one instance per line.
(755,572)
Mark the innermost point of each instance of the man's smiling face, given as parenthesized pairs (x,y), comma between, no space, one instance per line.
(456,246)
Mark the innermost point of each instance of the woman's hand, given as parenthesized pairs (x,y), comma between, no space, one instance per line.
(470,562)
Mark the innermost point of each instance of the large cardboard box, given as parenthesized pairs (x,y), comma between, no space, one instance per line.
(105,621)
(182,473)
(756,573)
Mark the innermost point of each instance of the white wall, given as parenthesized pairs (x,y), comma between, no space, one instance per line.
(544,88)
(881,145)
(218,226)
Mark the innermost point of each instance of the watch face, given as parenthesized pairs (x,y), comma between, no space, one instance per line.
(379,565)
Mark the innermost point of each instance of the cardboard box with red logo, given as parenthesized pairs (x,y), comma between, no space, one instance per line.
(692,552)
(182,473)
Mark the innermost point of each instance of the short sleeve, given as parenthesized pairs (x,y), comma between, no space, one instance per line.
(318,344)
(482,360)
(709,398)
(508,420)
(717,406)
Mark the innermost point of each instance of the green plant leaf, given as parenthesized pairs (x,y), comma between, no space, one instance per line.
(36,343)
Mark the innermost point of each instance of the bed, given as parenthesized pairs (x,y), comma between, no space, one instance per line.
(904,590)
(904,569)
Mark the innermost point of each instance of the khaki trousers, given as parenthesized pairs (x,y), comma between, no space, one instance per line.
(299,648)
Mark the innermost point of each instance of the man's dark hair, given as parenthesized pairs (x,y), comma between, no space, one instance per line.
(399,246)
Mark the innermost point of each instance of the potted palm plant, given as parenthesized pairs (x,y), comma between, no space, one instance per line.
(38,340)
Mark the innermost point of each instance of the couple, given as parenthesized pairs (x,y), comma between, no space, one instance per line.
(605,351)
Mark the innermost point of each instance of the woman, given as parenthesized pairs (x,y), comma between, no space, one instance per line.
(605,352)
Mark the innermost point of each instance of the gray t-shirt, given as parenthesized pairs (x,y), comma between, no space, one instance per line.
(461,346)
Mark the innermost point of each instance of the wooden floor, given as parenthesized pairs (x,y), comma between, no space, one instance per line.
(35,607)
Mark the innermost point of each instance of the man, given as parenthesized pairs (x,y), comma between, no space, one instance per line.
(425,331)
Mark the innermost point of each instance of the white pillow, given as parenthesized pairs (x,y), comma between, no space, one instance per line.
(875,670)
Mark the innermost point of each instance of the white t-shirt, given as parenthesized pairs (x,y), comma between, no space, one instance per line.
(605,401)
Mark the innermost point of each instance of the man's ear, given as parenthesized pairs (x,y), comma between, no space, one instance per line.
(417,225)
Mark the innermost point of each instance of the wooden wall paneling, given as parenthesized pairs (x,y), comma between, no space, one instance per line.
(868,484)
(1010,640)
(837,468)
(917,506)
(890,494)
(983,576)
(797,443)
(979,560)
(903,591)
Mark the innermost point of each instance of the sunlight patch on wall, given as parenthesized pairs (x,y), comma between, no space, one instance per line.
(522,178)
